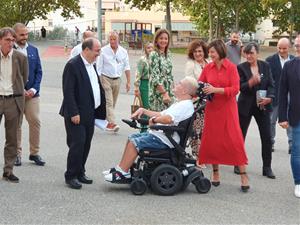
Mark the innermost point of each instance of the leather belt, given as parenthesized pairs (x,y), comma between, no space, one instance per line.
(10,96)
(112,78)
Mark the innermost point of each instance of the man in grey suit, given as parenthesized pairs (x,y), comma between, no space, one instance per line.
(276,63)
(13,77)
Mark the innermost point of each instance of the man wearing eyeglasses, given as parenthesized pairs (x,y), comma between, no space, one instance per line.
(289,109)
(13,77)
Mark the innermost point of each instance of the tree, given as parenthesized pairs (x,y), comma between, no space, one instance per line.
(285,15)
(219,17)
(147,4)
(24,11)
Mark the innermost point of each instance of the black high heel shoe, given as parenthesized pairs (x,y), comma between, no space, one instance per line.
(215,183)
(246,187)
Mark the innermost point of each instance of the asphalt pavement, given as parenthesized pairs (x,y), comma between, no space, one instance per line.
(42,197)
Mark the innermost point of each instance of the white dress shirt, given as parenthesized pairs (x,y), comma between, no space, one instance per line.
(283,61)
(113,64)
(22,49)
(76,51)
(94,81)
(6,85)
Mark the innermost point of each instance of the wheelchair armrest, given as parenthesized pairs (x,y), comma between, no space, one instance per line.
(167,128)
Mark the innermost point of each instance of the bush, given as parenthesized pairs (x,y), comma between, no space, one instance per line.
(58,33)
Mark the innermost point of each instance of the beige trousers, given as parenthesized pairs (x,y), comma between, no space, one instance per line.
(31,112)
(11,113)
(111,88)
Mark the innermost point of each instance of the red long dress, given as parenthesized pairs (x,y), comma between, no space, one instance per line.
(222,141)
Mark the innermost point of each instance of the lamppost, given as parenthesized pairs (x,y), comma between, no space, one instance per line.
(99,30)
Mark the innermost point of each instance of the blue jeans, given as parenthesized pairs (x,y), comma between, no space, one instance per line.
(295,154)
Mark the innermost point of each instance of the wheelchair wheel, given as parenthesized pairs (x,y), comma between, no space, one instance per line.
(202,184)
(166,180)
(138,186)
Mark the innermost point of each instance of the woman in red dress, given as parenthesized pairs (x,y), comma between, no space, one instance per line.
(222,141)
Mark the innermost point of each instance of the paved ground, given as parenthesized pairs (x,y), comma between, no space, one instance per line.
(42,197)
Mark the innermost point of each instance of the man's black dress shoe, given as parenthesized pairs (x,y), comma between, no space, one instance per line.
(18,161)
(37,159)
(74,183)
(267,171)
(84,179)
(10,177)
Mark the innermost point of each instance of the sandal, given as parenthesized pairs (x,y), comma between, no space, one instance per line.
(245,188)
(215,183)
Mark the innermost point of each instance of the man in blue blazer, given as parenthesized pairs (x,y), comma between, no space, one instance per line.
(276,63)
(32,93)
(83,102)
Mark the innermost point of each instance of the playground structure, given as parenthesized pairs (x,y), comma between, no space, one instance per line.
(136,34)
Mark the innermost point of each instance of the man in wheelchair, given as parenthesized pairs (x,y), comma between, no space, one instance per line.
(181,110)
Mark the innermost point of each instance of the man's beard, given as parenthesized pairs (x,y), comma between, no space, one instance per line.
(22,42)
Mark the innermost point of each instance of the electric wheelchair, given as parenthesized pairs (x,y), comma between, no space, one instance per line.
(168,171)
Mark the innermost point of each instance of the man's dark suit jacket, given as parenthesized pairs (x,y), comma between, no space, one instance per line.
(247,97)
(274,62)
(78,94)
(290,83)
(35,69)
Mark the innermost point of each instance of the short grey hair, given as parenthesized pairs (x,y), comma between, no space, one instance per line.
(191,85)
(114,34)
(7,30)
(19,25)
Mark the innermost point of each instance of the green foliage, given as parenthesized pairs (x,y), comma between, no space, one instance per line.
(58,33)
(285,15)
(226,15)
(24,11)
(147,4)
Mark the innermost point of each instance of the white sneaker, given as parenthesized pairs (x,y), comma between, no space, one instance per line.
(106,172)
(297,190)
(117,176)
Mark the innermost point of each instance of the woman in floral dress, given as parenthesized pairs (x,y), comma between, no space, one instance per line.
(161,80)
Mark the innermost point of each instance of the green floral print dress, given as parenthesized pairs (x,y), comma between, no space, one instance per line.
(160,74)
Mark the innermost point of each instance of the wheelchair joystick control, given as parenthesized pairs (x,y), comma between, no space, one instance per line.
(185,172)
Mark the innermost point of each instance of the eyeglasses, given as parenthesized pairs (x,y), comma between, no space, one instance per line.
(297,46)
(9,40)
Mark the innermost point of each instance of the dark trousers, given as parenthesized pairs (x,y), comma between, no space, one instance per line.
(262,118)
(79,139)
